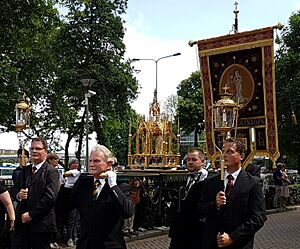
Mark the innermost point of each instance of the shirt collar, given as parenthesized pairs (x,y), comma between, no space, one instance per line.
(39,165)
(102,181)
(234,174)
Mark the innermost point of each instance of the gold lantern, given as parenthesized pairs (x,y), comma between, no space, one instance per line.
(22,114)
(225,114)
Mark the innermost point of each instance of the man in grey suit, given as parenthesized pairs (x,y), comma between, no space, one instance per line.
(234,208)
(35,219)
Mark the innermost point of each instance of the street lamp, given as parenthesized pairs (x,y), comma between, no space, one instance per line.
(156,61)
(87,83)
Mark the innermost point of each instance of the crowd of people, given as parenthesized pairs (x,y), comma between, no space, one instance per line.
(46,209)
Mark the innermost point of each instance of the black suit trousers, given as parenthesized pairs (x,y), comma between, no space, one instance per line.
(23,238)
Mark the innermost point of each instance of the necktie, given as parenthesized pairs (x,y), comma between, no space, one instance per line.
(34,169)
(189,183)
(96,189)
(229,185)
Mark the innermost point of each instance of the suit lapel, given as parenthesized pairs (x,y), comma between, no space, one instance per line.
(240,184)
(35,176)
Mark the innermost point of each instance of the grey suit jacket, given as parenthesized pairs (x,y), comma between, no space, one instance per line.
(244,213)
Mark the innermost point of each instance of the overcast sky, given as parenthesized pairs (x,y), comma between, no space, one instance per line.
(157,28)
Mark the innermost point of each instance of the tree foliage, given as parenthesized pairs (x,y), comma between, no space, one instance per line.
(190,106)
(28,29)
(288,90)
(171,105)
(46,55)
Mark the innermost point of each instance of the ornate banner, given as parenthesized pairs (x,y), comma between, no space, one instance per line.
(244,64)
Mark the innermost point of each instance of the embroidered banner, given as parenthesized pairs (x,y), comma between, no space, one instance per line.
(244,62)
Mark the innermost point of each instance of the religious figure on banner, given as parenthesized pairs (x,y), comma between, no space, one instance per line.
(238,80)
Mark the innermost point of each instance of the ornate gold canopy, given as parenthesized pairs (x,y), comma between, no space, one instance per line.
(154,145)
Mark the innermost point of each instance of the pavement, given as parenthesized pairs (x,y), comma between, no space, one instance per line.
(280,231)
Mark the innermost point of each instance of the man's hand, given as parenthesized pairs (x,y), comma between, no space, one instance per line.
(220,199)
(23,194)
(224,240)
(26,218)
(111,178)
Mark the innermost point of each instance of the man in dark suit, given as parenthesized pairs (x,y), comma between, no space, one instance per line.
(102,204)
(186,229)
(35,219)
(232,219)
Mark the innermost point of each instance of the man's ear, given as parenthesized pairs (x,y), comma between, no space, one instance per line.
(242,156)
(109,165)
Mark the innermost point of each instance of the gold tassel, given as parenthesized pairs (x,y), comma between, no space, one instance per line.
(294,118)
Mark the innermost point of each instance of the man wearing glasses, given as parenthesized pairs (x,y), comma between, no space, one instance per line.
(35,221)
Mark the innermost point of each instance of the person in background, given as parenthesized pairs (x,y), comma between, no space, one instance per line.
(53,160)
(102,204)
(6,202)
(35,219)
(71,176)
(186,229)
(23,159)
(285,192)
(7,217)
(277,177)
(234,208)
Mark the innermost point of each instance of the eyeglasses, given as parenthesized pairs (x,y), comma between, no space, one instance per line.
(36,148)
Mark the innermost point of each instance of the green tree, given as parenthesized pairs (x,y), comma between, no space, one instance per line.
(190,106)
(171,105)
(28,29)
(288,91)
(90,46)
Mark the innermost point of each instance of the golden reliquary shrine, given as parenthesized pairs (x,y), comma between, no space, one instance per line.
(154,145)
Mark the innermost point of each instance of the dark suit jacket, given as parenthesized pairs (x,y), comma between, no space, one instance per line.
(186,227)
(42,187)
(102,219)
(244,213)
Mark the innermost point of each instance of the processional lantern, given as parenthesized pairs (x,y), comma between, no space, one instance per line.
(22,115)
(22,123)
(225,114)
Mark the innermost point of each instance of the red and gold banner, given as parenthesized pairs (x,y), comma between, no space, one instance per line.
(243,62)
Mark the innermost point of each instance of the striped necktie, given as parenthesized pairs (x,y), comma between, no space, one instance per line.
(96,189)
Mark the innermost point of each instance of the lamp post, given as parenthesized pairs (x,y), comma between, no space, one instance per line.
(87,83)
(156,61)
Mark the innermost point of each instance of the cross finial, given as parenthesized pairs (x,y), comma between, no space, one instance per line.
(236,4)
(236,11)
(225,88)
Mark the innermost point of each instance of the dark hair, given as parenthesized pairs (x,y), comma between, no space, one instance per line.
(52,156)
(43,141)
(240,147)
(196,149)
(26,152)
(280,165)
